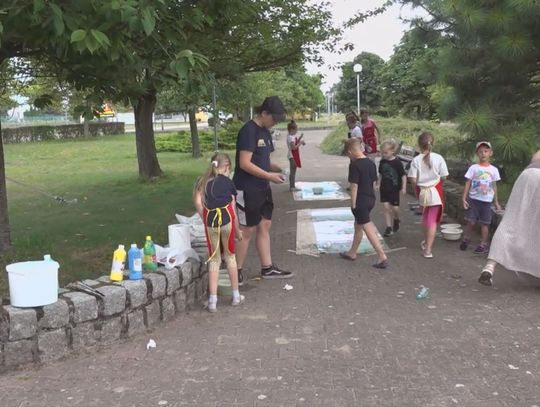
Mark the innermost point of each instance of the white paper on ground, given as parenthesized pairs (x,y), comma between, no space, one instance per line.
(151,344)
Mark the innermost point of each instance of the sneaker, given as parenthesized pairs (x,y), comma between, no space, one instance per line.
(274,272)
(396,225)
(481,249)
(388,232)
(485,278)
(240,278)
(212,307)
(464,244)
(237,301)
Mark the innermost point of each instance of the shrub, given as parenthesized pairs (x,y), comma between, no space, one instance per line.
(400,129)
(181,141)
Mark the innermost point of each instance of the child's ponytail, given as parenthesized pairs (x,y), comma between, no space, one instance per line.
(218,160)
(425,142)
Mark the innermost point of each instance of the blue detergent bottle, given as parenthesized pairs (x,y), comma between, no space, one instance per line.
(135,260)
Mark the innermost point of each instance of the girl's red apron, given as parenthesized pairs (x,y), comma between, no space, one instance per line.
(435,189)
(217,220)
(368,132)
(296,154)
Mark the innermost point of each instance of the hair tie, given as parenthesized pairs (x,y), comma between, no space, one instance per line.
(215,163)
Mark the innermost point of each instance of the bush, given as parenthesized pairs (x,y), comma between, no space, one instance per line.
(181,141)
(400,129)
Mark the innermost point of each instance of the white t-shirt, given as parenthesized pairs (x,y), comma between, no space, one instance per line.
(357,132)
(483,178)
(291,138)
(427,178)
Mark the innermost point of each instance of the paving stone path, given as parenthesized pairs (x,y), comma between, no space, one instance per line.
(346,335)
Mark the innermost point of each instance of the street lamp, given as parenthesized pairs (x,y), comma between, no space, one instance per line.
(357,68)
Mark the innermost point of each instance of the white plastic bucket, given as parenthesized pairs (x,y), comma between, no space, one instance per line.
(33,283)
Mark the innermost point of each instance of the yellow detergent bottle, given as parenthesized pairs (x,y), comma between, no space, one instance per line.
(118,263)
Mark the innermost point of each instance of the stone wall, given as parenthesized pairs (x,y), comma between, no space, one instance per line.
(81,322)
(25,134)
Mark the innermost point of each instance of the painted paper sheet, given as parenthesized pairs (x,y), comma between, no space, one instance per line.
(328,230)
(331,190)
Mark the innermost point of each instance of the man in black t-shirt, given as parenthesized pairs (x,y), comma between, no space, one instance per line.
(252,176)
(362,177)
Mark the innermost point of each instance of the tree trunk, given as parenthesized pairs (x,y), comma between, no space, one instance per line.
(195,145)
(144,135)
(5,238)
(86,128)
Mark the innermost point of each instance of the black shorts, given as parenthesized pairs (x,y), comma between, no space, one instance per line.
(253,205)
(364,205)
(392,197)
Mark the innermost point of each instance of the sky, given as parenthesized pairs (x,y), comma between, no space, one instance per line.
(378,35)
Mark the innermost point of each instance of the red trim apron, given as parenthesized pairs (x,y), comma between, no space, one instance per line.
(368,133)
(296,154)
(217,221)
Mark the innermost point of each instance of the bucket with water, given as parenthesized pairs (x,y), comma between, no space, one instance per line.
(33,283)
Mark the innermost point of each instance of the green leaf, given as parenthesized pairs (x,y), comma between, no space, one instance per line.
(179,68)
(91,43)
(56,10)
(100,37)
(78,35)
(148,21)
(58,25)
(186,53)
(38,6)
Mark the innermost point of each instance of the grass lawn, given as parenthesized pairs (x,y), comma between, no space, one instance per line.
(114,205)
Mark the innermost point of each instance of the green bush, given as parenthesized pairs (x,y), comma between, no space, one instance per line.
(400,129)
(181,141)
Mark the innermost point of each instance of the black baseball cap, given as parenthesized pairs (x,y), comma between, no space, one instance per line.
(274,106)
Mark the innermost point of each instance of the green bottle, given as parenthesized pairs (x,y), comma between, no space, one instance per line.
(149,251)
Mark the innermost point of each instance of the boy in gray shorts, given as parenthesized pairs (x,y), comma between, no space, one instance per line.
(479,194)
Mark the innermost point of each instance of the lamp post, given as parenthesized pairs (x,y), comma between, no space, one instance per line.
(357,68)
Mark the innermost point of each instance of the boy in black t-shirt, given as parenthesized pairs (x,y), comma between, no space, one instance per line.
(252,176)
(362,177)
(392,182)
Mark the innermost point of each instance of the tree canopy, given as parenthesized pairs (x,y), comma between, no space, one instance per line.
(370,83)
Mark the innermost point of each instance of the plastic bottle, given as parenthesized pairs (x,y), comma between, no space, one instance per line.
(135,259)
(422,293)
(118,264)
(150,260)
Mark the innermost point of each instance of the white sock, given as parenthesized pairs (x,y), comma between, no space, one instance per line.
(212,299)
(236,294)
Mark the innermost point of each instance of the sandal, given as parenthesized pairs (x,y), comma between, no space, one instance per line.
(380,264)
(345,255)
